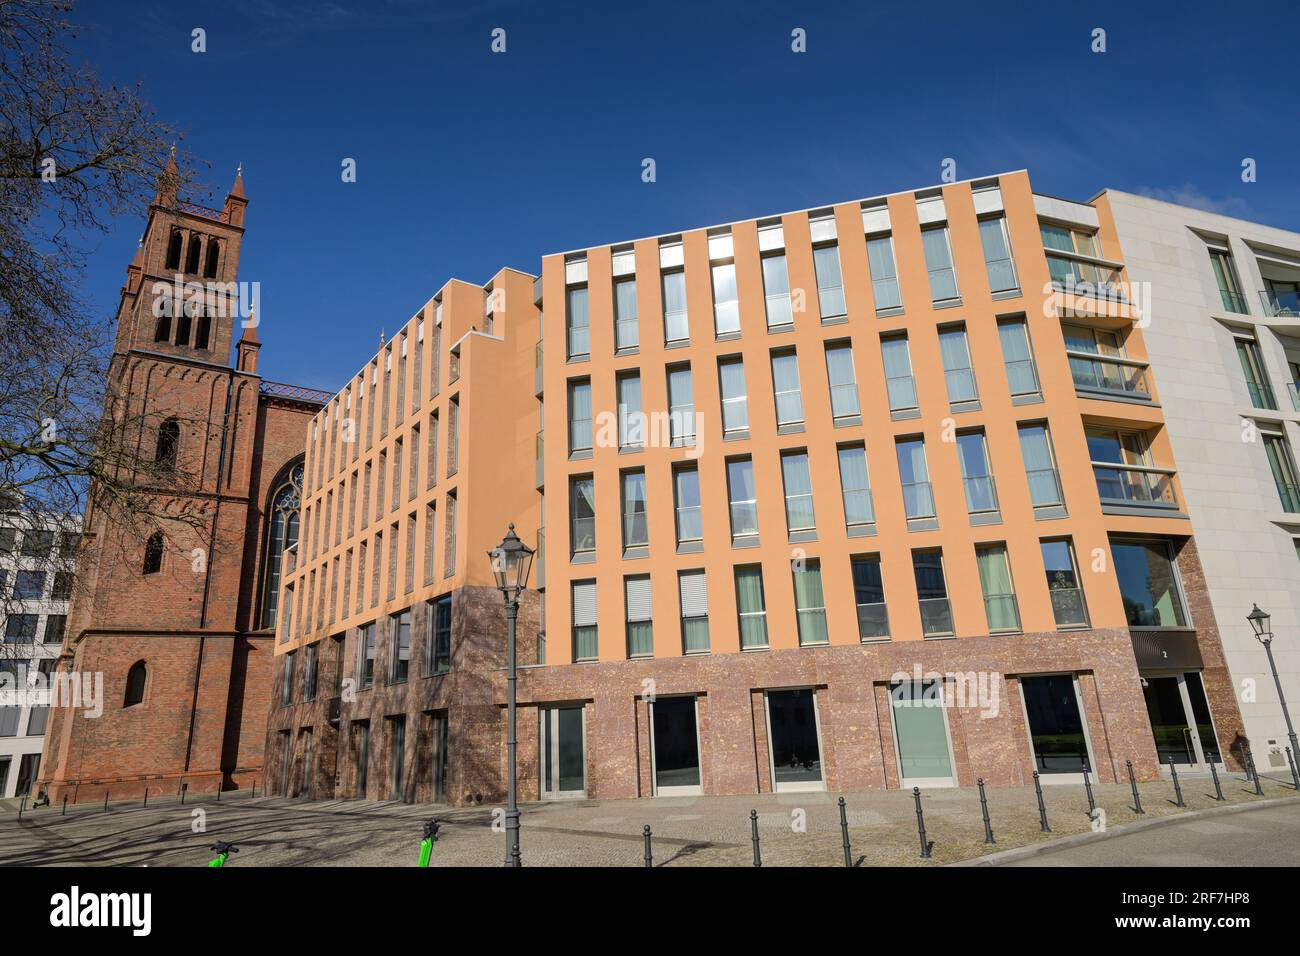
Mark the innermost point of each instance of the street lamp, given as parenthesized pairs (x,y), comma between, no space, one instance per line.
(511,562)
(1259,622)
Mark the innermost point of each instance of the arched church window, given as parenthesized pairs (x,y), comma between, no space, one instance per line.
(169,443)
(202,330)
(162,330)
(214,251)
(196,251)
(153,553)
(283,533)
(174,251)
(136,678)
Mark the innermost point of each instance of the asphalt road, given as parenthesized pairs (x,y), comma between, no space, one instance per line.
(1269,836)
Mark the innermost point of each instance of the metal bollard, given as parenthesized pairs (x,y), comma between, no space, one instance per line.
(218,792)
(1132,782)
(920,824)
(1087,786)
(984,808)
(1042,808)
(64,812)
(1178,790)
(1218,788)
(753,829)
(184,788)
(22,805)
(1254,773)
(1295,777)
(649,857)
(146,797)
(844,834)
(105,801)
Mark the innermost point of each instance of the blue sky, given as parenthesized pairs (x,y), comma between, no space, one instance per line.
(468,161)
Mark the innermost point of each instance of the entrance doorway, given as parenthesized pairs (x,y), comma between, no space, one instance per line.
(794,740)
(675,744)
(1056,729)
(563,752)
(1180,720)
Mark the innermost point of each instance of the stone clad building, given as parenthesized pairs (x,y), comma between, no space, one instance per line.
(791,480)
(178,625)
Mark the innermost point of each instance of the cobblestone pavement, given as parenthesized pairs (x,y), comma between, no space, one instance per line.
(794,829)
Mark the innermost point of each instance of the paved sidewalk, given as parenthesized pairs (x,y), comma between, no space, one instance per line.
(795,829)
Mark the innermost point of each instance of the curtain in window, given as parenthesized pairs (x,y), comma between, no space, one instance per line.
(798,493)
(917,499)
(689,523)
(735,408)
(749,602)
(995,579)
(943,283)
(640,634)
(830,284)
(884,281)
(1019,362)
(726,310)
(956,365)
(898,374)
(1043,487)
(675,321)
(810,604)
(997,257)
(634,518)
(856,486)
(785,381)
(776,286)
(744,514)
(579,334)
(580,417)
(695,611)
(844,389)
(625,314)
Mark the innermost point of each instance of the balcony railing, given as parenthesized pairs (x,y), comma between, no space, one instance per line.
(1261,395)
(1281,304)
(1234,302)
(1003,612)
(918,499)
(1138,485)
(1120,376)
(936,616)
(873,621)
(981,494)
(1290,495)
(1083,277)
(1068,606)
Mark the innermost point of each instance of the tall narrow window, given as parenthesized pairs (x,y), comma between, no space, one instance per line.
(453,436)
(751,607)
(938,262)
(843,384)
(626,333)
(1063,584)
(810,606)
(735,404)
(776,290)
(283,534)
(676,325)
(162,328)
(898,374)
(579,331)
(168,447)
(194,254)
(859,512)
(869,594)
(1022,373)
(634,510)
(437,656)
(399,647)
(1252,367)
(997,255)
(798,493)
(631,418)
(785,384)
(640,616)
(976,474)
(743,499)
(582,516)
(995,580)
(580,417)
(957,371)
(726,306)
(932,592)
(686,488)
(449,538)
(1282,465)
(286,685)
(585,643)
(695,611)
(830,284)
(884,276)
(366,656)
(1148,583)
(203,330)
(1040,466)
(1225,274)
(137,678)
(681,406)
(918,498)
(153,553)
(174,251)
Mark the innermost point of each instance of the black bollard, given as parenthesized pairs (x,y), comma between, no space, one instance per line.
(105,801)
(1132,782)
(753,829)
(1253,772)
(1218,788)
(1087,786)
(64,812)
(1178,790)
(844,834)
(22,805)
(218,792)
(920,824)
(649,858)
(184,788)
(146,797)
(1042,808)
(984,808)
(1295,778)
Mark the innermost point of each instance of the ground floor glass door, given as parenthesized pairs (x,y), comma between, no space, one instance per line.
(1056,730)
(794,740)
(1180,719)
(563,752)
(921,733)
(676,745)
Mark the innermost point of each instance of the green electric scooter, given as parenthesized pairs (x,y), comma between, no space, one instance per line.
(430,838)
(223,853)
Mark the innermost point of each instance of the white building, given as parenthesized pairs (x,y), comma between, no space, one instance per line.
(1224,348)
(36,575)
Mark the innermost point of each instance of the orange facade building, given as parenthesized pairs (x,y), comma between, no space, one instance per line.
(873,495)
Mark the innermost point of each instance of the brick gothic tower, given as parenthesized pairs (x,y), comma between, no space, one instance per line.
(173,620)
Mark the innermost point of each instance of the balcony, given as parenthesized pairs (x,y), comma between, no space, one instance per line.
(1110,376)
(1281,304)
(539,464)
(1134,486)
(537,370)
(1085,276)
(540,562)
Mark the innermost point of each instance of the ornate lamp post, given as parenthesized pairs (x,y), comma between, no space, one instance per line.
(511,562)
(1259,622)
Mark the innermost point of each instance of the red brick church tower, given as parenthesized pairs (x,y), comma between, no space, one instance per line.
(176,619)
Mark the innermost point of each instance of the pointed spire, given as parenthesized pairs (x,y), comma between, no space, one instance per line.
(168,181)
(237,190)
(381,339)
(250,329)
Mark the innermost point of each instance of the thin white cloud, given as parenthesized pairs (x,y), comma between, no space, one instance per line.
(1188,194)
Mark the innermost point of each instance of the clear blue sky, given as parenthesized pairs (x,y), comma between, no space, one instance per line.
(468,161)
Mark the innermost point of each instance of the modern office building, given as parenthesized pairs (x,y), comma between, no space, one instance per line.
(1224,344)
(793,480)
(38,557)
